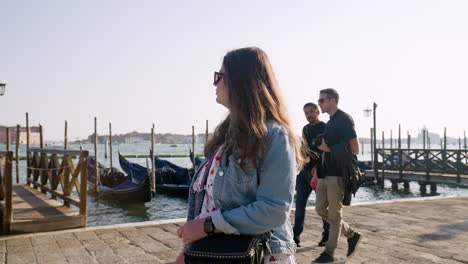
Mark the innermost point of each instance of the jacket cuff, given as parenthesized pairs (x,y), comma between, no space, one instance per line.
(221,224)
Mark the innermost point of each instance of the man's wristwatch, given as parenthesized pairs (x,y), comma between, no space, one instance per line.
(208,226)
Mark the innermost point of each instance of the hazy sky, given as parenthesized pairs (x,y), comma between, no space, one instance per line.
(134,63)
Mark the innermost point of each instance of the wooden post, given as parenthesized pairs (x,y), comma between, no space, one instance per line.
(391,139)
(424,139)
(399,136)
(110,145)
(400,153)
(7,139)
(153,165)
(206,135)
(28,154)
(105,149)
(444,153)
(445,138)
(375,137)
(428,139)
(83,187)
(382,180)
(409,140)
(193,146)
(459,169)
(65,142)
(96,163)
(8,177)
(41,137)
(464,137)
(18,131)
(362,147)
(406,186)
(422,188)
(372,147)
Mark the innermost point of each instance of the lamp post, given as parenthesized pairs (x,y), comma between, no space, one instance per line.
(367,112)
(2,88)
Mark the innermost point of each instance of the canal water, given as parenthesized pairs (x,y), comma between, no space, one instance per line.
(108,212)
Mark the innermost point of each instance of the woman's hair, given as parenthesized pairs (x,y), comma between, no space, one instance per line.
(254,98)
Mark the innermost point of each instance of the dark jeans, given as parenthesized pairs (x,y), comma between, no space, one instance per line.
(303,191)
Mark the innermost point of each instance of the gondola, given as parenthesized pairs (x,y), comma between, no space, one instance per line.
(170,178)
(134,186)
(198,160)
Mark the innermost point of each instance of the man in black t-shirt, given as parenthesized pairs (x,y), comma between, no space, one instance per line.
(310,141)
(339,136)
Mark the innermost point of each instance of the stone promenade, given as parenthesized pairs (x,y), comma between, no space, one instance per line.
(412,231)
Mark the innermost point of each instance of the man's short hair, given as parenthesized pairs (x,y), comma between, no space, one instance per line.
(311,105)
(331,93)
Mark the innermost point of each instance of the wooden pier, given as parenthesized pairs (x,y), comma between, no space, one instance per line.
(44,202)
(426,166)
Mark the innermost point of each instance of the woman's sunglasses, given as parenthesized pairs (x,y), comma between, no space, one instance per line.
(217,77)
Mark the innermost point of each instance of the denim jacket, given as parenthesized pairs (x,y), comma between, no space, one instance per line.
(251,201)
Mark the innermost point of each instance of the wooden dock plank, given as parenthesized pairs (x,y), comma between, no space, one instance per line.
(420,176)
(34,211)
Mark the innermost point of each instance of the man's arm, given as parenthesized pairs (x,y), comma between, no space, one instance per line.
(354,145)
(324,147)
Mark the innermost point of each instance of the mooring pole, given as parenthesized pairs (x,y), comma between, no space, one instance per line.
(444,156)
(105,148)
(375,140)
(41,137)
(424,138)
(96,162)
(65,142)
(153,169)
(445,138)
(206,135)
(193,146)
(28,156)
(372,147)
(409,140)
(382,179)
(464,137)
(18,131)
(391,139)
(7,139)
(110,144)
(400,152)
(428,139)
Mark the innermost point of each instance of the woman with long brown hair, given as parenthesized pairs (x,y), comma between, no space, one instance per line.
(247,185)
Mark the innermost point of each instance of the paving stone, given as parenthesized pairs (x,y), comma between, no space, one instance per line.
(111,260)
(67,243)
(398,232)
(41,240)
(50,257)
(21,258)
(23,242)
(64,236)
(86,235)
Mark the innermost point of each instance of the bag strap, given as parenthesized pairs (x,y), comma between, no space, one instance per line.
(206,172)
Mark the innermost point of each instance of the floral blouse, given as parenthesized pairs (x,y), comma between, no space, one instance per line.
(209,206)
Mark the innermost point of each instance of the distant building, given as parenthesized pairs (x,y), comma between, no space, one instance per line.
(34,137)
(136,137)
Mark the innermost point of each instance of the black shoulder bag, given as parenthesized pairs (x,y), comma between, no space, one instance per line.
(223,248)
(226,249)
